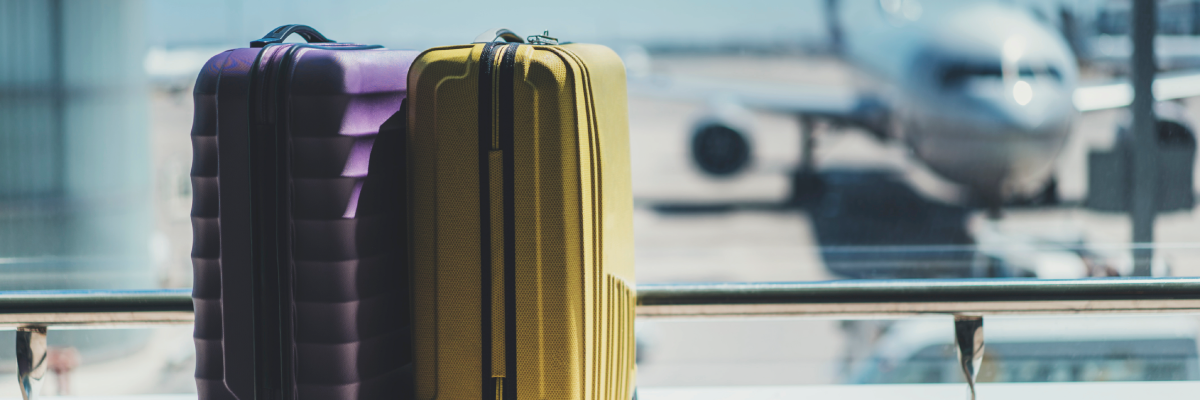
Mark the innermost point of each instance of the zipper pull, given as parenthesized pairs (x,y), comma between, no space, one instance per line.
(543,39)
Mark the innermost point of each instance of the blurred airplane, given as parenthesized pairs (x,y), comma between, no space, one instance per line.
(983,93)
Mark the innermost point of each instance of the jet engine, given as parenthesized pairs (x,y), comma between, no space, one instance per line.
(721,143)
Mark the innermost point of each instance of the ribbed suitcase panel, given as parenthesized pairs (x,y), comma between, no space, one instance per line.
(342,281)
(206,236)
(204,95)
(208,359)
(205,206)
(208,319)
(204,149)
(350,297)
(206,279)
(350,115)
(327,198)
(345,239)
(212,389)
(315,150)
(387,385)
(346,322)
(341,363)
(350,308)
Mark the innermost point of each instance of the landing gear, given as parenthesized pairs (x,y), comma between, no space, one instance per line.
(808,145)
(992,202)
(1047,196)
(1049,193)
(806,184)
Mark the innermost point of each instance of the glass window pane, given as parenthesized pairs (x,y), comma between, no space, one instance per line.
(770,141)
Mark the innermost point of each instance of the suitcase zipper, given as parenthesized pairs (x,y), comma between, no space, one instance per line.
(495,102)
(270,207)
(485,122)
(270,213)
(505,132)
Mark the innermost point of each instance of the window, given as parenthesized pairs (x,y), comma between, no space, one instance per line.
(770,140)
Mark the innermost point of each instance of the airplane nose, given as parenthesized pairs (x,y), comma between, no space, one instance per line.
(1031,106)
(992,141)
(1036,117)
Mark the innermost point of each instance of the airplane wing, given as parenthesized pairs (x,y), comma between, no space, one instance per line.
(1168,86)
(853,106)
(842,104)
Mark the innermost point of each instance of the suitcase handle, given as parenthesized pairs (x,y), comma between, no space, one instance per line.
(499,33)
(279,34)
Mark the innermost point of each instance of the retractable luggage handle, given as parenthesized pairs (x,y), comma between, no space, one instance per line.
(499,33)
(281,33)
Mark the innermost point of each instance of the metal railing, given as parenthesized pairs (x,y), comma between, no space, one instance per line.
(968,300)
(95,308)
(876,298)
(841,299)
(32,313)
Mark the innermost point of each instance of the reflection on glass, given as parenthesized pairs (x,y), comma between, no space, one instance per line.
(158,360)
(1041,350)
(1099,361)
(74,184)
(75,207)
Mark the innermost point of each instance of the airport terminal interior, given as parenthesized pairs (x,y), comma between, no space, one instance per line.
(770,141)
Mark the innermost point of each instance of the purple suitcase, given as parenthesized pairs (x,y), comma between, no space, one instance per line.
(298,221)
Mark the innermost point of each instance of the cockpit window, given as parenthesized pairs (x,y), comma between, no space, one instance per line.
(955,75)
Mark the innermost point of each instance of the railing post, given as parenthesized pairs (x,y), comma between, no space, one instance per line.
(31,359)
(1143,204)
(808,144)
(968,336)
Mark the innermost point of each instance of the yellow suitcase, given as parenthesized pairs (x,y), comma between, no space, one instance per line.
(521,218)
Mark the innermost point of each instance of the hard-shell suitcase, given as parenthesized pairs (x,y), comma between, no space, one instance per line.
(300,289)
(521,231)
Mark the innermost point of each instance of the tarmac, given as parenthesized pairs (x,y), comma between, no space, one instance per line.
(691,227)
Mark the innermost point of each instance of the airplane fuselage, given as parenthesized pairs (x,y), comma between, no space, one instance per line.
(981,92)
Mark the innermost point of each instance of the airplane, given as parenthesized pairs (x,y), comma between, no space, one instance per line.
(982,93)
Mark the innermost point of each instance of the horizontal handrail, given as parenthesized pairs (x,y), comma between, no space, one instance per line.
(96,308)
(883,298)
(842,299)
